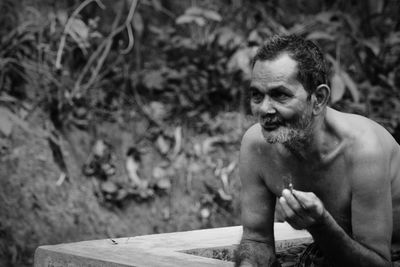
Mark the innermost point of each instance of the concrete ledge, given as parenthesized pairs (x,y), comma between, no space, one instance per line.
(161,250)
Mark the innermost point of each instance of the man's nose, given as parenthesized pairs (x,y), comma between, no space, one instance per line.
(267,106)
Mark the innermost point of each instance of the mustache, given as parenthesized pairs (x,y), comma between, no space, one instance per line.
(271,120)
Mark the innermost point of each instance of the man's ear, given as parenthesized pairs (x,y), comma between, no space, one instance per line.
(321,98)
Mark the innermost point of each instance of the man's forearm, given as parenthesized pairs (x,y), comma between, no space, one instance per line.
(256,254)
(340,248)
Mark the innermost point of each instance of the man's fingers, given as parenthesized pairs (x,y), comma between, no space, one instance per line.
(287,210)
(291,200)
(310,202)
(304,198)
(301,209)
(290,216)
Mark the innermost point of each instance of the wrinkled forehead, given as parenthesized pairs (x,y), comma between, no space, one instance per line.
(280,69)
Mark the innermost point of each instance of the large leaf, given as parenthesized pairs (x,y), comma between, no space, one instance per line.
(337,86)
(154,79)
(394,38)
(200,21)
(325,17)
(194,10)
(157,110)
(227,37)
(320,35)
(198,15)
(188,18)
(351,85)
(157,5)
(6,123)
(79,31)
(376,6)
(137,23)
(373,45)
(184,19)
(212,15)
(340,81)
(241,61)
(109,187)
(206,13)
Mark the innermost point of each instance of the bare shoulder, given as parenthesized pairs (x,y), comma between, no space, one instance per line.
(365,137)
(253,141)
(369,148)
(254,152)
(252,135)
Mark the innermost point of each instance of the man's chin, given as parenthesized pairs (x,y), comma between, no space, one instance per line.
(273,136)
(282,135)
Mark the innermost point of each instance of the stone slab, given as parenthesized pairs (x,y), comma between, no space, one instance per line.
(160,250)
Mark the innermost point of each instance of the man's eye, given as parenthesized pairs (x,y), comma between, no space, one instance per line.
(256,97)
(280,95)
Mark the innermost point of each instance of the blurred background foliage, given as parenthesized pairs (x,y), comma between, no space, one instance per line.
(83,59)
(173,76)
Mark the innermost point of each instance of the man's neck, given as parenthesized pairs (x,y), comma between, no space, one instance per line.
(319,143)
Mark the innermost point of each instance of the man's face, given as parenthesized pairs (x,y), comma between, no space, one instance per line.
(279,100)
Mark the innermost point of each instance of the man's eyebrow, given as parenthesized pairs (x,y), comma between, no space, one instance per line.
(281,89)
(254,88)
(278,88)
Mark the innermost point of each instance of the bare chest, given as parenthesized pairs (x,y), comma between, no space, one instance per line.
(330,183)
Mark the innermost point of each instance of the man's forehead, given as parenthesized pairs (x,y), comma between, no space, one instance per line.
(282,65)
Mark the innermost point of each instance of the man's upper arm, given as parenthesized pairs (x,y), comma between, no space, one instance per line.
(371,206)
(257,201)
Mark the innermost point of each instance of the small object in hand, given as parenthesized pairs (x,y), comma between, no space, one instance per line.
(291,187)
(287,182)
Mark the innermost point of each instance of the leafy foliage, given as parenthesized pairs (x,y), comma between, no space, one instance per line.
(77,64)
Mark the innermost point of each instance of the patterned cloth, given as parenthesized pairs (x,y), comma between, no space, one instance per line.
(396,258)
(313,257)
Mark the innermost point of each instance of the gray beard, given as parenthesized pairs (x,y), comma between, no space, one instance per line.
(295,137)
(286,135)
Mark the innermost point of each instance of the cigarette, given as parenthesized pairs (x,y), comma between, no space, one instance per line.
(291,187)
(287,181)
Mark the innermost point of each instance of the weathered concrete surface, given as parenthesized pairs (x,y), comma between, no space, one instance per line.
(161,250)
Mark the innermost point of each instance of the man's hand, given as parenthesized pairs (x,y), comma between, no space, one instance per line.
(301,209)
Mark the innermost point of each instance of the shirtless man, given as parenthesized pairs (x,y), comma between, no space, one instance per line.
(344,168)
